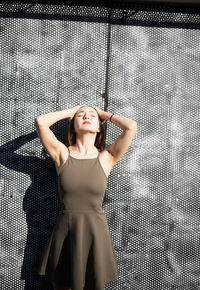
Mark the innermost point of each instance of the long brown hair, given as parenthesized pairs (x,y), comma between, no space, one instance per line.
(69,138)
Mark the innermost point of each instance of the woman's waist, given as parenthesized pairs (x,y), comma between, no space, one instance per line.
(82,208)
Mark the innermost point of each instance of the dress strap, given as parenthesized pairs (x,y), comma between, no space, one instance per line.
(68,150)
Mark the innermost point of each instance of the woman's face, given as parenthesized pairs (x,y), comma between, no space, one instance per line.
(86,119)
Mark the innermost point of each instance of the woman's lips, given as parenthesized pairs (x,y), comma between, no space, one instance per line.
(86,123)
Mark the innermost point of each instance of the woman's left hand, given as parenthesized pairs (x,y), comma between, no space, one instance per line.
(99,111)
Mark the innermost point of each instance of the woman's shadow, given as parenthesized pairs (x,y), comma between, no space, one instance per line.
(41,204)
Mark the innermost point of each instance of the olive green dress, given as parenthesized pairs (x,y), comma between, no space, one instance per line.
(80,251)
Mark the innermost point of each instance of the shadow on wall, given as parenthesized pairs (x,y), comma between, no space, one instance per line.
(41,205)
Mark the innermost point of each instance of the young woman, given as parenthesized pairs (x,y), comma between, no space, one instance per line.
(79,253)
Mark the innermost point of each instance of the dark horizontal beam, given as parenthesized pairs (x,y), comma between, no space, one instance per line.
(162,1)
(184,6)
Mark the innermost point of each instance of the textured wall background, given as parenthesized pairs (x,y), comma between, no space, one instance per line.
(150,73)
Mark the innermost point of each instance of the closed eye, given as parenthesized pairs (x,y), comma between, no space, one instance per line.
(91,115)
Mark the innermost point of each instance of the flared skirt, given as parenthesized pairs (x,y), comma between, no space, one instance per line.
(79,251)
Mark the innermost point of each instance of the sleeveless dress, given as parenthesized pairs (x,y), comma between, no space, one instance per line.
(79,251)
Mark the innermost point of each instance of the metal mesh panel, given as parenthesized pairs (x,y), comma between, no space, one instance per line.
(140,64)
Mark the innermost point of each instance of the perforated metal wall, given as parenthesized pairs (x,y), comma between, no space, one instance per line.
(140,64)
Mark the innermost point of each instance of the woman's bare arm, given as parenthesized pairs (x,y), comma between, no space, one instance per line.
(53,117)
(42,123)
(121,144)
(119,120)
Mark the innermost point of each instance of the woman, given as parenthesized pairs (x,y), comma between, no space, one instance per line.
(79,253)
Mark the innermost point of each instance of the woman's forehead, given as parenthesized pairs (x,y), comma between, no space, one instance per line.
(87,108)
